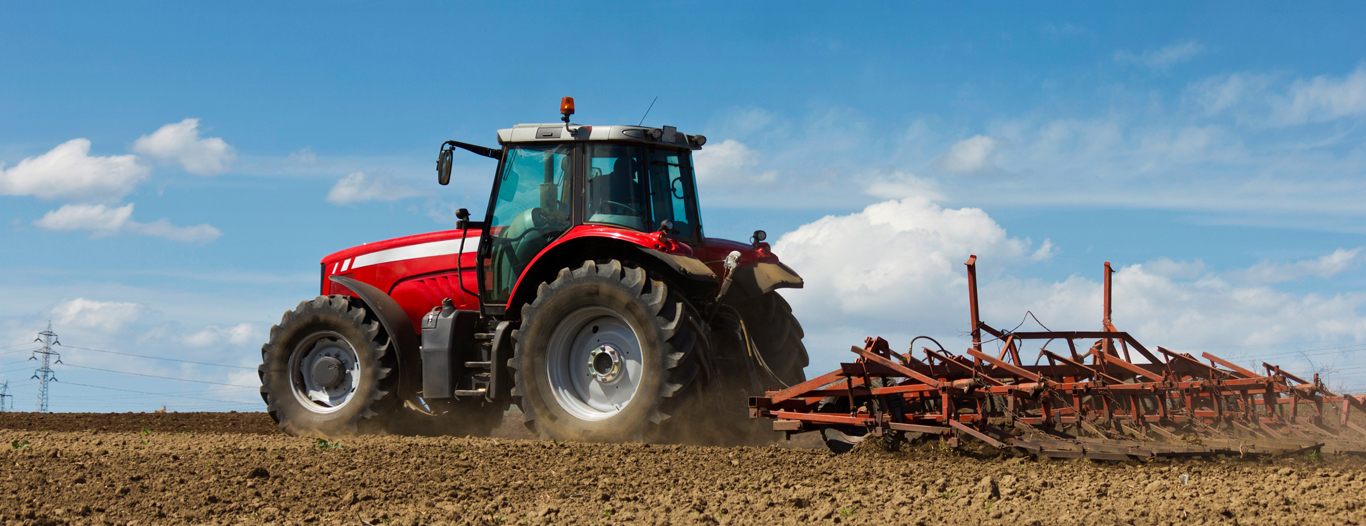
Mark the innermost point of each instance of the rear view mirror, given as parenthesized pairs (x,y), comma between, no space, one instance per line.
(443,166)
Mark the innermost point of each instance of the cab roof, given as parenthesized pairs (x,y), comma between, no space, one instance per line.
(558,132)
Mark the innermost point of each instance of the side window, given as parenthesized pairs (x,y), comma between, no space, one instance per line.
(615,192)
(671,192)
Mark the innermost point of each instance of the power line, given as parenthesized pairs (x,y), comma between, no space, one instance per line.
(162,377)
(160,358)
(160,394)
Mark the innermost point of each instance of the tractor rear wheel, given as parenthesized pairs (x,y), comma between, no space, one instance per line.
(777,335)
(603,354)
(327,369)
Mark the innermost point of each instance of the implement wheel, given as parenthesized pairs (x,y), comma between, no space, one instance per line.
(327,369)
(601,355)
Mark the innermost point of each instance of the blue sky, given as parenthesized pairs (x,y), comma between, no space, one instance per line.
(173,173)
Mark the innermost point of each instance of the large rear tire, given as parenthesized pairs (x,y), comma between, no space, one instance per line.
(603,354)
(777,335)
(328,370)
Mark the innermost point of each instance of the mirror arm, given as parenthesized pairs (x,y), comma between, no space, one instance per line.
(492,153)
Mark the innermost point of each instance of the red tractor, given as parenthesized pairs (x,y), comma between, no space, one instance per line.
(589,296)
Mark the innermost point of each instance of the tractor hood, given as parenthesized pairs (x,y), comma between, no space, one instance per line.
(382,263)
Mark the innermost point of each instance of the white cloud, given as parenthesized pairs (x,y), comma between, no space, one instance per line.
(1166,268)
(969,156)
(1163,58)
(896,270)
(729,163)
(899,185)
(358,187)
(180,143)
(102,221)
(91,314)
(893,260)
(303,157)
(69,172)
(1325,266)
(240,334)
(1219,93)
(1322,98)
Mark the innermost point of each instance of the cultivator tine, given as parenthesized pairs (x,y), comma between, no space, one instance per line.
(1171,405)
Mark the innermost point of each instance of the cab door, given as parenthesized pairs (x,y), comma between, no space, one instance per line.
(532,205)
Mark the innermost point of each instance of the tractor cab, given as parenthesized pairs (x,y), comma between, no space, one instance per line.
(554,177)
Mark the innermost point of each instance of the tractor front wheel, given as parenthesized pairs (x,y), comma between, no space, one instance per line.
(327,369)
(602,353)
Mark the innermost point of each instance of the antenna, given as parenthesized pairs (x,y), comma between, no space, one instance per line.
(44,375)
(647,111)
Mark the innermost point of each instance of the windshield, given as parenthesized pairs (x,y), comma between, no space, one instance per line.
(530,211)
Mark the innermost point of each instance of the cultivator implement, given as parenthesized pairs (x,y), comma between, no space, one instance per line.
(1102,395)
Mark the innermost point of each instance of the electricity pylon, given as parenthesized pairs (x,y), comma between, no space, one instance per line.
(45,374)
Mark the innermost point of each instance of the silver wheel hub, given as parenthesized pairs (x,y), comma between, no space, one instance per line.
(594,363)
(324,372)
(604,363)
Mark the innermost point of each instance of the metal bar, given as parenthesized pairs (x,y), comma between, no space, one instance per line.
(972,302)
(797,390)
(977,434)
(1232,366)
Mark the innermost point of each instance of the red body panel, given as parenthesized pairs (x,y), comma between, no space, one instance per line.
(419,271)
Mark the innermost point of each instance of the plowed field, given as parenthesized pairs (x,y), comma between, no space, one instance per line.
(235,469)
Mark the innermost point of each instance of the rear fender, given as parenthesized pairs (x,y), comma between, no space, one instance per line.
(683,271)
(756,279)
(401,334)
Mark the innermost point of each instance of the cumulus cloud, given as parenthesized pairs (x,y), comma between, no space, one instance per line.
(1325,266)
(1183,314)
(870,264)
(70,172)
(1162,58)
(357,187)
(896,270)
(180,143)
(240,334)
(102,221)
(728,163)
(91,314)
(969,156)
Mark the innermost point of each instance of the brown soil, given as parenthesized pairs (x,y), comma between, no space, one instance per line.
(235,468)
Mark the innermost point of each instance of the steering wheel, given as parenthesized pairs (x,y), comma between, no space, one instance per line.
(676,188)
(623,206)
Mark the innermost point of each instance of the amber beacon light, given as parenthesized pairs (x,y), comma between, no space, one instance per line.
(567,107)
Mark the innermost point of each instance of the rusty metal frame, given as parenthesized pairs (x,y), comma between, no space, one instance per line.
(1100,403)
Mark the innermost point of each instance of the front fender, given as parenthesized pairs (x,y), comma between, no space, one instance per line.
(401,333)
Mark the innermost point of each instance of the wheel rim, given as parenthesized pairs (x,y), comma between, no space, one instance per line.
(324,372)
(594,363)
